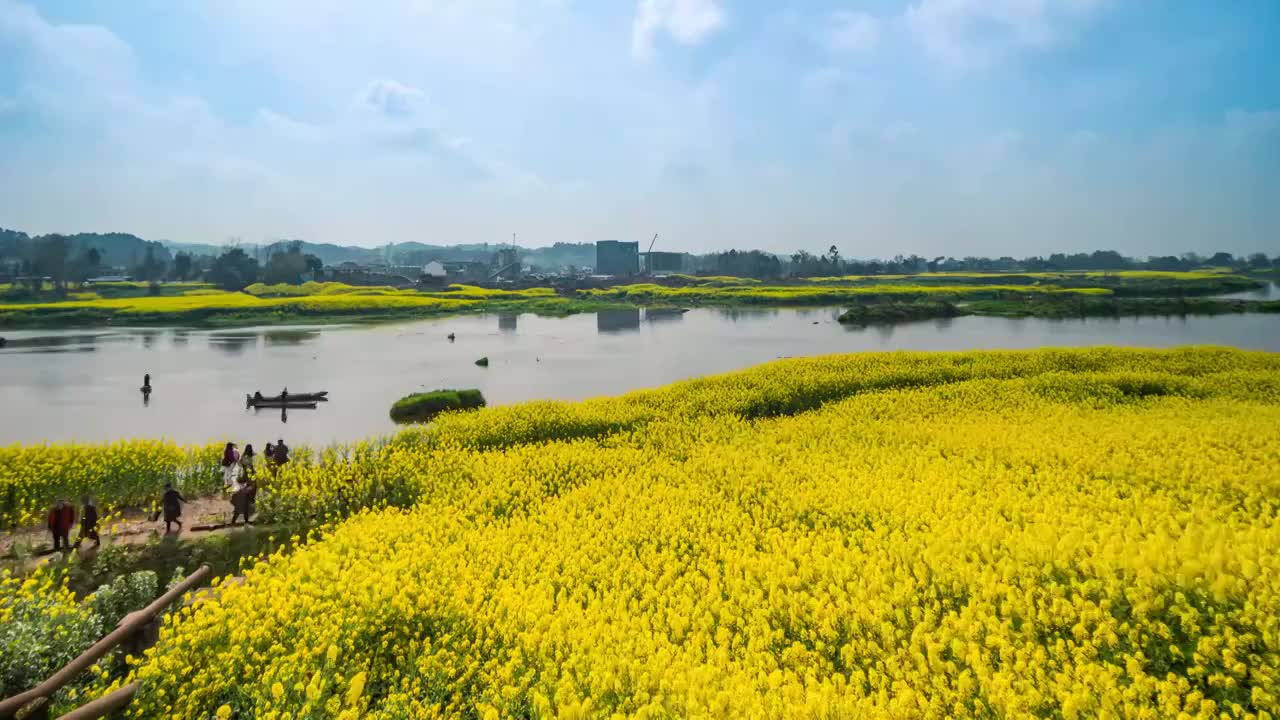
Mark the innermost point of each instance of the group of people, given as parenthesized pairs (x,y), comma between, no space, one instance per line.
(239,474)
(63,517)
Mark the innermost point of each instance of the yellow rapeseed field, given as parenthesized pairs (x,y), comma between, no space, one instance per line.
(118,474)
(1085,533)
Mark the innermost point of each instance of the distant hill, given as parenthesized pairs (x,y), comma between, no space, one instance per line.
(116,249)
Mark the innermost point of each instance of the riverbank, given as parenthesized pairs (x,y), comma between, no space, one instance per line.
(1040,295)
(1061,307)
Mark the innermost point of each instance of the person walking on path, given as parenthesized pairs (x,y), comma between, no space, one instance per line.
(230,459)
(242,500)
(89,523)
(61,520)
(246,462)
(171,503)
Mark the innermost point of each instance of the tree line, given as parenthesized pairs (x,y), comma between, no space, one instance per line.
(55,257)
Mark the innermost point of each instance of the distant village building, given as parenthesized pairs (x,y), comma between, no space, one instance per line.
(614,257)
(506,264)
(368,275)
(466,271)
(659,263)
(435,268)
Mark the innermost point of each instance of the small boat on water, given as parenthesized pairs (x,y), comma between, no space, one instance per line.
(276,404)
(322,396)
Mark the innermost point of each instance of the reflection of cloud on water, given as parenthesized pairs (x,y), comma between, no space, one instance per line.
(612,321)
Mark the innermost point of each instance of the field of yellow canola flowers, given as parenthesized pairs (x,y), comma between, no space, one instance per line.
(1034,534)
(118,474)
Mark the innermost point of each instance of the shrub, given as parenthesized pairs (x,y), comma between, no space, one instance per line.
(420,407)
(42,628)
(124,595)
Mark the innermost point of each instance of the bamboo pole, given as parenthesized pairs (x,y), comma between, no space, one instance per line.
(130,625)
(104,705)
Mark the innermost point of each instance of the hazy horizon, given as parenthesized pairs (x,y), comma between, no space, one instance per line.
(935,127)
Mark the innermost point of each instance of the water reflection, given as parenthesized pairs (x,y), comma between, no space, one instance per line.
(179,338)
(289,337)
(1269,291)
(232,344)
(53,343)
(734,314)
(663,315)
(613,321)
(507,321)
(148,338)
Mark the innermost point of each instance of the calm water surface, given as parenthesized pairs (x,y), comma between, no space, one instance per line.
(83,385)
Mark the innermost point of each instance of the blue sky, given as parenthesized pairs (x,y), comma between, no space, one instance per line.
(882,126)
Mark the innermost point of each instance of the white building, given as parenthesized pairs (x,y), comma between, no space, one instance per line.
(434,269)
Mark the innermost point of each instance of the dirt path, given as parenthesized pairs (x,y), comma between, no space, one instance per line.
(201,517)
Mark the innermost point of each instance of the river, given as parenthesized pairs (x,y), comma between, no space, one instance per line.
(84,385)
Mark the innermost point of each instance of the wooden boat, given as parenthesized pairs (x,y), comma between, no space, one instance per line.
(321,396)
(276,404)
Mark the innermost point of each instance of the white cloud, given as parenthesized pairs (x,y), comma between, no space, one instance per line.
(968,33)
(851,32)
(393,99)
(688,22)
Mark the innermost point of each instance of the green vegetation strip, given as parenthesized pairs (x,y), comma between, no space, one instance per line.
(421,407)
(889,298)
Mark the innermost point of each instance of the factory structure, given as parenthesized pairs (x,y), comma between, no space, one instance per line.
(615,257)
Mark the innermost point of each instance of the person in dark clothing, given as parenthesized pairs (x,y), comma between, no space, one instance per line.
(282,453)
(61,519)
(146,383)
(243,499)
(89,523)
(171,503)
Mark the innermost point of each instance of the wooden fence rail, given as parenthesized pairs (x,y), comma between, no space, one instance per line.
(129,627)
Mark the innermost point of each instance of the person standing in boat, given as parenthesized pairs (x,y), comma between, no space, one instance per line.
(146,383)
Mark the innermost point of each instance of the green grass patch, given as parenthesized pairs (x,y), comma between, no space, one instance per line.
(421,407)
(888,313)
